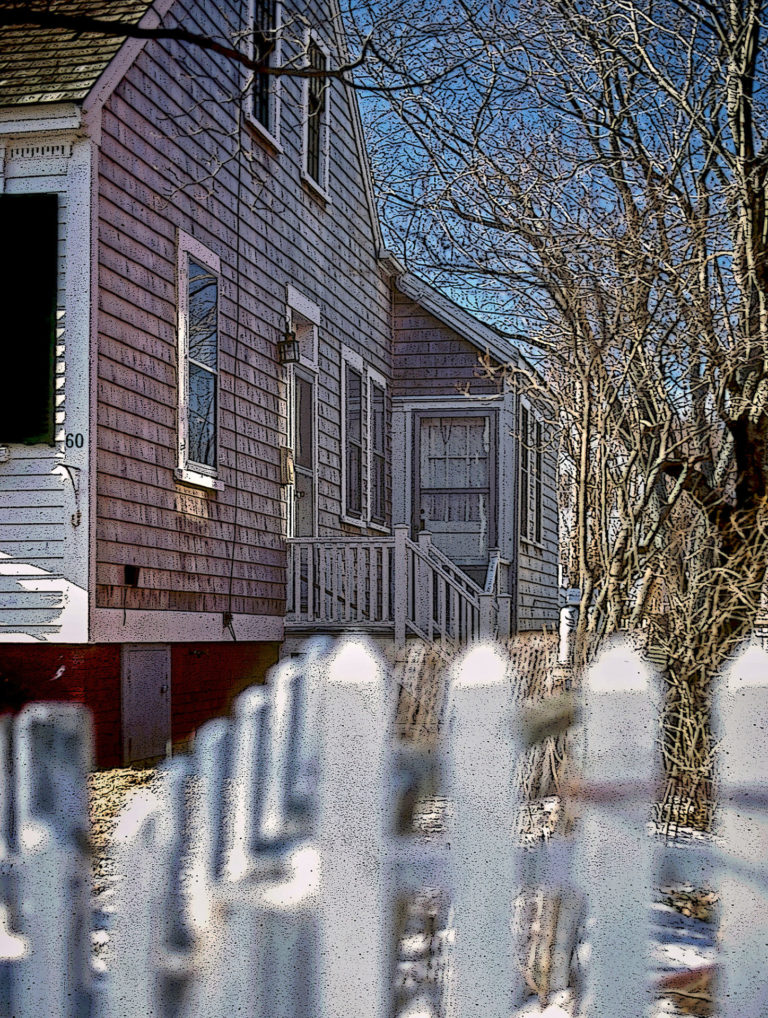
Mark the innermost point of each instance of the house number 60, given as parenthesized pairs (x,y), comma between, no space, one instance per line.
(75,441)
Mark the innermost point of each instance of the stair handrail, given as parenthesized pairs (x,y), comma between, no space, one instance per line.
(454,572)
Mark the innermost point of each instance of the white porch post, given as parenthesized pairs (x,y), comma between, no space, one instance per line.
(400,593)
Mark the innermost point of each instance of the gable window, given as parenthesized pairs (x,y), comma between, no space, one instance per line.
(531,475)
(199,274)
(28,285)
(363,442)
(316,136)
(265,94)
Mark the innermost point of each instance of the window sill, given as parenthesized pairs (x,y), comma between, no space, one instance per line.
(380,527)
(197,479)
(538,545)
(360,524)
(316,190)
(260,134)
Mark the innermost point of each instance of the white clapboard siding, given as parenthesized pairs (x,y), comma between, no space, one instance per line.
(34,513)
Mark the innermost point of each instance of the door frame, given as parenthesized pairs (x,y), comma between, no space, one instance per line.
(308,375)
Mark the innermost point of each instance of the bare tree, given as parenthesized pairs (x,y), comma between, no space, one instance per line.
(597,181)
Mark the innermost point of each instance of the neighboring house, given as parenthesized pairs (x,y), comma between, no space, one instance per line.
(198,451)
(473,462)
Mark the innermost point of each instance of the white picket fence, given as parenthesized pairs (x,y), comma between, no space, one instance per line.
(260,880)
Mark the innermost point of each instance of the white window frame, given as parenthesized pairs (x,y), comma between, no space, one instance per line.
(374,378)
(187,471)
(528,446)
(369,376)
(319,187)
(271,137)
(299,306)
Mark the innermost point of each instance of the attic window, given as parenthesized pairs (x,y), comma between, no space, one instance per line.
(28,285)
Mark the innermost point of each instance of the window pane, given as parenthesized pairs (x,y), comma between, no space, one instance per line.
(378,481)
(354,421)
(303,423)
(202,416)
(315,108)
(538,487)
(264,39)
(377,418)
(354,479)
(28,284)
(203,315)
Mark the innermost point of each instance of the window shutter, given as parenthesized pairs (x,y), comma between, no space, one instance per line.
(28,285)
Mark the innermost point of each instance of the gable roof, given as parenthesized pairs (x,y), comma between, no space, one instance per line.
(480,335)
(39,65)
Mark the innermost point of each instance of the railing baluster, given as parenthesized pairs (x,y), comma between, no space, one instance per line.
(311,610)
(360,580)
(335,553)
(373,560)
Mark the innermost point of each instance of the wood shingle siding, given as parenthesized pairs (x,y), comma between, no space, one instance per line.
(155,179)
(430,358)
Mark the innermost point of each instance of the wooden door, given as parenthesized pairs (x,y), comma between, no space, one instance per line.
(145,701)
(455,485)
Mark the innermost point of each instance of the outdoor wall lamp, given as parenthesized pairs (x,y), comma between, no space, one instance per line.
(288,348)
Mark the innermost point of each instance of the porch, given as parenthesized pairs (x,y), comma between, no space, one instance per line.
(392,586)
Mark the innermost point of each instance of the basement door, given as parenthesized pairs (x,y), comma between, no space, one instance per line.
(145,701)
(455,497)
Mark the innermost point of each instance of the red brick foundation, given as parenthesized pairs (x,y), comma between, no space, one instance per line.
(205,678)
(80,674)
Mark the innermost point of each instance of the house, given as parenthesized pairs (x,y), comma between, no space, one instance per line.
(205,441)
(473,459)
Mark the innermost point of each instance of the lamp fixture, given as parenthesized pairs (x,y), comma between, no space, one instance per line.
(288,348)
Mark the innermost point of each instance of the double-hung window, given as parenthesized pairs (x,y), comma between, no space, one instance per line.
(531,475)
(198,280)
(316,122)
(363,442)
(265,108)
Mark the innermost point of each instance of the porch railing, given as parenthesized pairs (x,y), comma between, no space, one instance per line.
(389,585)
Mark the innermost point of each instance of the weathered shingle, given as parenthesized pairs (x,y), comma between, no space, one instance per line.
(40,64)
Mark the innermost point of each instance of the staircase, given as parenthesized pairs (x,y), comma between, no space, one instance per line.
(390,586)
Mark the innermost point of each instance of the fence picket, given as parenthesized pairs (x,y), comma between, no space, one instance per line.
(275,897)
(742,708)
(352,825)
(615,854)
(484,861)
